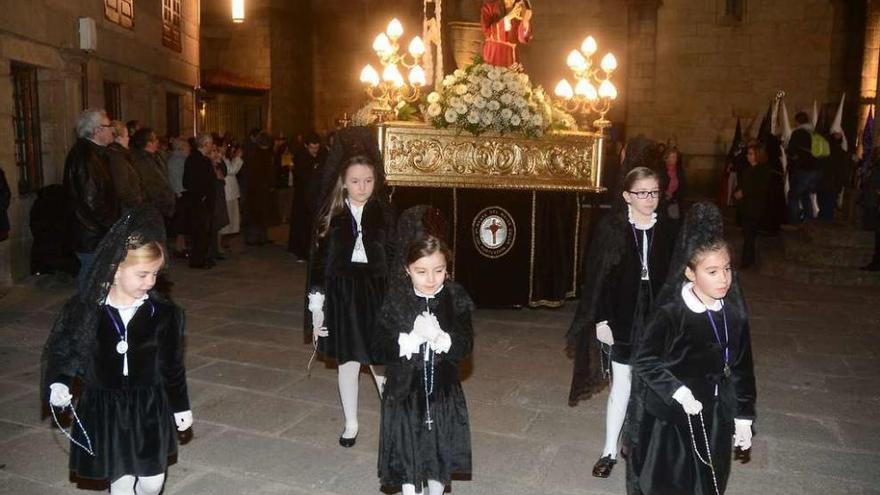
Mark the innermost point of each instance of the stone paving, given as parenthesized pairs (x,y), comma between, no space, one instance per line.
(263,426)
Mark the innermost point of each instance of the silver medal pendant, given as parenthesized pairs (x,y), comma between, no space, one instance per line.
(122,347)
(726,371)
(644,273)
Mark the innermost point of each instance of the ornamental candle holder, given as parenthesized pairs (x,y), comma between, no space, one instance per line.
(593,91)
(391,89)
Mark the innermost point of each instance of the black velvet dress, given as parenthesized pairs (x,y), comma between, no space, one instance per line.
(680,347)
(129,419)
(410,452)
(353,291)
(626,298)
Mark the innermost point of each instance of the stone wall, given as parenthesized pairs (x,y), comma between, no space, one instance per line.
(44,33)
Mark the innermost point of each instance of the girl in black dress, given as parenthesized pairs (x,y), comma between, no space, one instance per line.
(424,332)
(627,265)
(347,278)
(694,387)
(125,343)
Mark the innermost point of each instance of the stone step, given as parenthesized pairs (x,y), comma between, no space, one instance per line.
(818,275)
(809,253)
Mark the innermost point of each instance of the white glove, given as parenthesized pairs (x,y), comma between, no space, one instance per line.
(603,333)
(183,420)
(316,306)
(685,397)
(427,327)
(409,344)
(59,395)
(441,343)
(742,436)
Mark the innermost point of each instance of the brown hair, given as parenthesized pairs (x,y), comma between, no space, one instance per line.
(426,246)
(638,174)
(337,197)
(760,151)
(717,245)
(145,253)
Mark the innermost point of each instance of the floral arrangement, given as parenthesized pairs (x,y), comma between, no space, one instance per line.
(485,97)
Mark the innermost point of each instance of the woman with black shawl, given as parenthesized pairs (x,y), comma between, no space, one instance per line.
(693,397)
(626,266)
(124,342)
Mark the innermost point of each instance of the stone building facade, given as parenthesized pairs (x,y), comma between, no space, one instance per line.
(131,68)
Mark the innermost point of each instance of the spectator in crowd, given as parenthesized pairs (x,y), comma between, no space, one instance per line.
(672,181)
(151,170)
(93,201)
(260,207)
(307,159)
(129,188)
(751,195)
(220,218)
(231,190)
(179,224)
(199,180)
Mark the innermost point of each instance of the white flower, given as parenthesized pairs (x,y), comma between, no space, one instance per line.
(458,73)
(515,87)
(468,98)
(486,118)
(537,121)
(434,109)
(497,86)
(449,80)
(450,115)
(520,102)
(462,109)
(460,89)
(514,120)
(473,117)
(434,97)
(493,105)
(523,78)
(486,91)
(525,115)
(506,113)
(494,74)
(480,102)
(454,101)
(506,98)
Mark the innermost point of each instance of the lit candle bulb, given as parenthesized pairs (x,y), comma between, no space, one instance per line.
(585,89)
(563,90)
(589,46)
(395,29)
(417,76)
(416,47)
(382,44)
(609,63)
(391,73)
(370,76)
(607,90)
(576,61)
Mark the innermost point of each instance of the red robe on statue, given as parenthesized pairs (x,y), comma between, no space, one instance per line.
(501,37)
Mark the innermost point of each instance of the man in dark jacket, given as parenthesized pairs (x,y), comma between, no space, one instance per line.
(306,161)
(152,172)
(93,203)
(199,182)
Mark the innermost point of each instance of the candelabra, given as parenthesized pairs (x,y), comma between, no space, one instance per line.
(585,99)
(392,89)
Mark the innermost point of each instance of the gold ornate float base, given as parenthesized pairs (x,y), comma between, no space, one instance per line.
(418,155)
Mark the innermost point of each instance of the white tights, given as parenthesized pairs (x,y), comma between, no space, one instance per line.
(132,485)
(434,488)
(617,401)
(349,375)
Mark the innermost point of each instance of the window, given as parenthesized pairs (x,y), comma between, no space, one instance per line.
(171,24)
(120,11)
(172,114)
(26,124)
(113,100)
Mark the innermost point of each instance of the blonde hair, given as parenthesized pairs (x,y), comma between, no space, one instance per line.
(146,253)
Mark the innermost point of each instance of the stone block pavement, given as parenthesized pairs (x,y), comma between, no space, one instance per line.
(263,426)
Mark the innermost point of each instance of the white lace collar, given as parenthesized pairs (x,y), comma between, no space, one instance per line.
(135,304)
(428,296)
(694,303)
(639,226)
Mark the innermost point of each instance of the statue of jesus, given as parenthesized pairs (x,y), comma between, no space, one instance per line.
(505,23)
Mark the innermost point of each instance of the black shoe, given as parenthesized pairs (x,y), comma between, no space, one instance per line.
(603,467)
(347,442)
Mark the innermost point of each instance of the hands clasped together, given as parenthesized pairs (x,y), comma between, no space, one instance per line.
(426,329)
